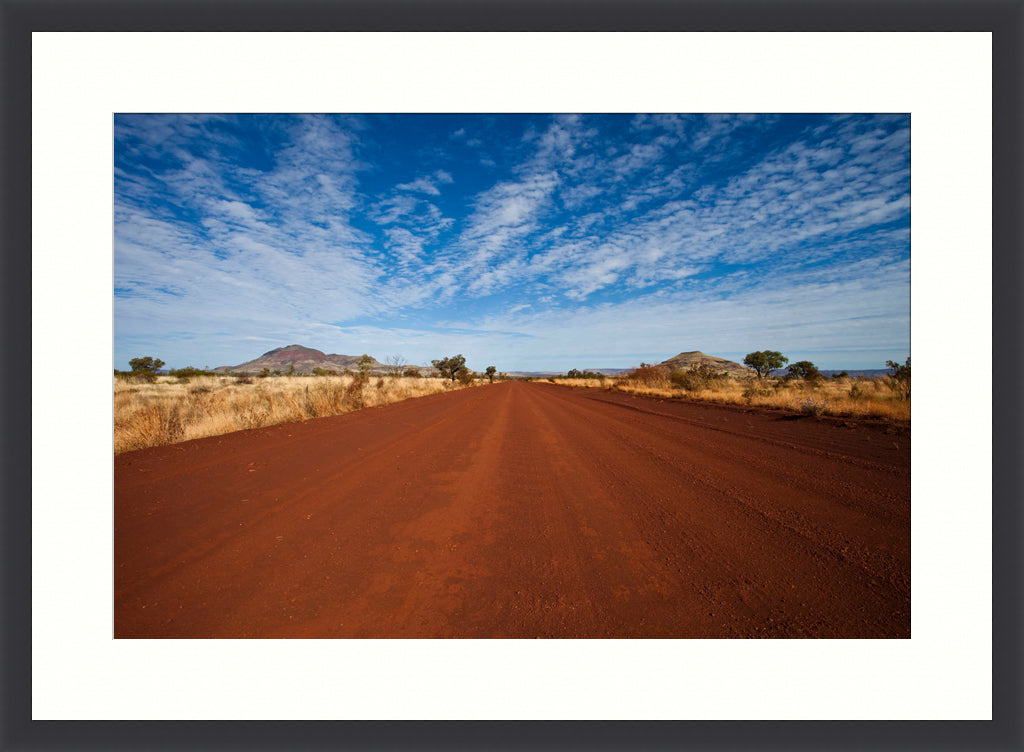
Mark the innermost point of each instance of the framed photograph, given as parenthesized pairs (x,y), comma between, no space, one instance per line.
(593,205)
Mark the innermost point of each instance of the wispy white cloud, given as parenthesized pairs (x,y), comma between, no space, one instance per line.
(231,230)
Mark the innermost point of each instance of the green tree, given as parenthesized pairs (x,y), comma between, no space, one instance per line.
(490,371)
(450,366)
(804,369)
(144,369)
(765,361)
(364,365)
(146,364)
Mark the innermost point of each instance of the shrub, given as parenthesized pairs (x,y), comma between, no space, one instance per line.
(698,376)
(188,372)
(353,396)
(751,392)
(899,378)
(413,373)
(364,365)
(648,373)
(811,406)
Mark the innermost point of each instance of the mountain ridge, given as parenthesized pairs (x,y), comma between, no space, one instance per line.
(303,359)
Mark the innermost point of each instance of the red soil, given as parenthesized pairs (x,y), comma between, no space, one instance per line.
(519,510)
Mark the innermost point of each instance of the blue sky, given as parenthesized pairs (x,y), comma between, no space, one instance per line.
(528,242)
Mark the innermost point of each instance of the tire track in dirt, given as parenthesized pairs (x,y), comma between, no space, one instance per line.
(297,522)
(834,516)
(709,523)
(721,415)
(516,510)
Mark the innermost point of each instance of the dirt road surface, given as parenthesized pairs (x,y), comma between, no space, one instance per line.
(519,510)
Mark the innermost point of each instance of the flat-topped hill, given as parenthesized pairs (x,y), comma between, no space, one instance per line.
(684,360)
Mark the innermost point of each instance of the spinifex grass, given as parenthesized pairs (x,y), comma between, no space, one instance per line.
(843,397)
(172,410)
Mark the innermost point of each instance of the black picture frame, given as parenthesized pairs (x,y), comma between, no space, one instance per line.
(1004,18)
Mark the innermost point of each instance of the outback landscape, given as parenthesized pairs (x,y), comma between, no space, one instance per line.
(585,435)
(648,506)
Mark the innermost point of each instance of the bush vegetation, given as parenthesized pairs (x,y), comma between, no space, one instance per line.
(899,378)
(165,411)
(802,390)
(698,377)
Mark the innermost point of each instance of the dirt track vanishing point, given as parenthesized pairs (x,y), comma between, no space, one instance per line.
(519,510)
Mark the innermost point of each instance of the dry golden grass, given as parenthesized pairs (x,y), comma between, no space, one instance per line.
(589,383)
(169,411)
(844,397)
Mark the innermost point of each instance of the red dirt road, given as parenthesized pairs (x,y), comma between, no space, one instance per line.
(519,510)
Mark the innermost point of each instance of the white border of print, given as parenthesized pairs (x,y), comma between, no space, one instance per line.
(80,79)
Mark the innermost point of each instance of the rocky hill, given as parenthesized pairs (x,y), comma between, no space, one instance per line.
(304,359)
(684,360)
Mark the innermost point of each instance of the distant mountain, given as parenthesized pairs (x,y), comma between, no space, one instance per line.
(609,371)
(853,372)
(305,359)
(684,360)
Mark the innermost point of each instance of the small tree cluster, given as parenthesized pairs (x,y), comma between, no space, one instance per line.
(804,369)
(451,366)
(575,373)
